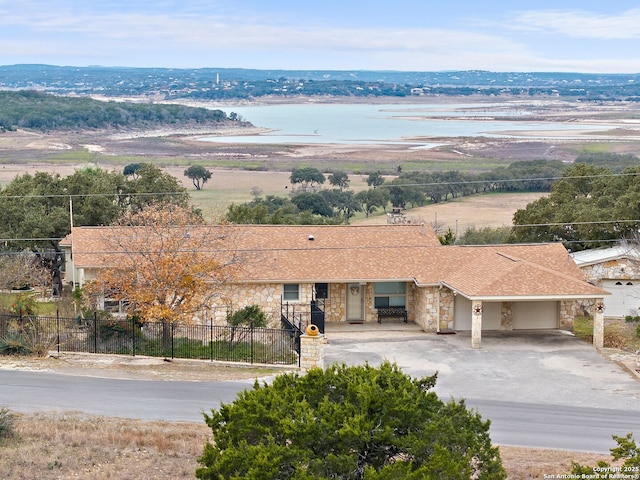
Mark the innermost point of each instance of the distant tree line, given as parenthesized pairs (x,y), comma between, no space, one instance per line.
(45,112)
(230,83)
(355,88)
(589,205)
(416,189)
(309,202)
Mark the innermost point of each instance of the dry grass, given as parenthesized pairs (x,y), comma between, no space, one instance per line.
(534,463)
(73,445)
(618,334)
(65,446)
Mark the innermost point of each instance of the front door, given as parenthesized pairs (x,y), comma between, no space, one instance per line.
(355,303)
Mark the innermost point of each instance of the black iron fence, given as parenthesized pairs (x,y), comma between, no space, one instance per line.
(127,336)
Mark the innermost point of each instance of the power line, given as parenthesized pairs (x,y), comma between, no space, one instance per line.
(564,224)
(508,180)
(80,195)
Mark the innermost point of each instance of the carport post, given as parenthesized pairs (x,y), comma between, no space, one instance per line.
(598,324)
(476,324)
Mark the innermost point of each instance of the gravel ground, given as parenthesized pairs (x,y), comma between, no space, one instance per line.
(129,367)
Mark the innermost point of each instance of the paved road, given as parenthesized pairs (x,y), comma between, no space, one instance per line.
(513,423)
(543,390)
(147,400)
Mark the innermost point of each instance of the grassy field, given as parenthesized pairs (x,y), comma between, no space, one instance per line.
(238,186)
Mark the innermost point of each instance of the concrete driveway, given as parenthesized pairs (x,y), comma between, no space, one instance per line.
(539,367)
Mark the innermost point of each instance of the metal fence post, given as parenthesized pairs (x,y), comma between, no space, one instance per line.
(251,343)
(275,343)
(58,330)
(95,332)
(172,331)
(133,336)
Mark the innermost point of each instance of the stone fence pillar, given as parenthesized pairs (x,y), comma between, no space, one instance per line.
(476,324)
(311,351)
(598,324)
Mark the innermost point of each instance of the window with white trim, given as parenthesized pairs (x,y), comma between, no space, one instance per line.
(291,292)
(390,294)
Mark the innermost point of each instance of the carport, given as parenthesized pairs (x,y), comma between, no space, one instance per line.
(504,288)
(509,315)
(479,314)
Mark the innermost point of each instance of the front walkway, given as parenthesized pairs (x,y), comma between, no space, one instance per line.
(371,329)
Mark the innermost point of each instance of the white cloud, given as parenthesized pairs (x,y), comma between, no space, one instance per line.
(580,24)
(198,33)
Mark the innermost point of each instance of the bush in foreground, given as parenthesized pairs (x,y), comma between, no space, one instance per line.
(7,423)
(348,423)
(626,450)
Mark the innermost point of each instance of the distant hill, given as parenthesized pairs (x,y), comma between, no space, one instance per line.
(234,83)
(45,111)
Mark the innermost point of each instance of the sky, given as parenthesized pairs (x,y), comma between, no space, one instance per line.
(402,35)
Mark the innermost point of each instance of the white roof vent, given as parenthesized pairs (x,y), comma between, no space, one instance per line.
(311,238)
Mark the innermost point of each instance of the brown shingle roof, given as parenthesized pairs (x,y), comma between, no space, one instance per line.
(516,270)
(276,253)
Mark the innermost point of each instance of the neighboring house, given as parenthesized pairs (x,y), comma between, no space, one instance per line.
(617,270)
(356,272)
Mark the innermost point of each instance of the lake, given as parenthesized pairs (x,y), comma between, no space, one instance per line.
(410,124)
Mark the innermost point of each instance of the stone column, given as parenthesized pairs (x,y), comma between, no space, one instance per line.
(598,324)
(311,352)
(476,324)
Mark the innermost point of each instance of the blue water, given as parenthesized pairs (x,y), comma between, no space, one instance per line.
(388,123)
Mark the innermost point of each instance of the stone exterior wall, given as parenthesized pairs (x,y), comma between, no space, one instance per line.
(433,308)
(411,302)
(335,307)
(447,309)
(506,316)
(370,313)
(266,295)
(569,310)
(426,308)
(618,269)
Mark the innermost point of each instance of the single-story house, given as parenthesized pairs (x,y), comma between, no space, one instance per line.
(617,270)
(359,273)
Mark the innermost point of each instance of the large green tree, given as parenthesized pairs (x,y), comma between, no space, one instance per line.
(198,175)
(339,179)
(588,207)
(372,199)
(37,211)
(152,186)
(345,422)
(312,202)
(307,177)
(375,179)
(342,201)
(276,210)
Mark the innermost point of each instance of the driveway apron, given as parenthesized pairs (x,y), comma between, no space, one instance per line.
(538,367)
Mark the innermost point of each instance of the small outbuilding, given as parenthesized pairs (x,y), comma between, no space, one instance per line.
(617,270)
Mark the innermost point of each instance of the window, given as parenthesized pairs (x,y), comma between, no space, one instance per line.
(390,294)
(322,290)
(291,292)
